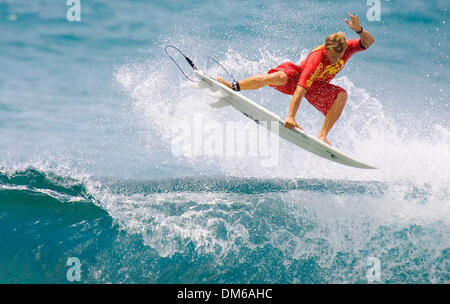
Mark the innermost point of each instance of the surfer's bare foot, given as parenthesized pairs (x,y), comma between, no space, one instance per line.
(324,139)
(220,79)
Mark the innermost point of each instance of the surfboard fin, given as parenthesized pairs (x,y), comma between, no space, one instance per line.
(220,103)
(199,84)
(219,94)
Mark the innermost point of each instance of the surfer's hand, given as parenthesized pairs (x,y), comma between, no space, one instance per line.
(354,22)
(291,123)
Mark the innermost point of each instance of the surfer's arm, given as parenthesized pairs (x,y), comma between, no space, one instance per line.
(310,70)
(366,38)
(293,107)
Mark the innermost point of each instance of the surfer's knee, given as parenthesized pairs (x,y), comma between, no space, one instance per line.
(342,96)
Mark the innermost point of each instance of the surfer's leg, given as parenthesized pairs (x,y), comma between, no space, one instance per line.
(258,81)
(332,116)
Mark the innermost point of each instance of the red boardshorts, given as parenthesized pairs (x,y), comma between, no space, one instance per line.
(321,94)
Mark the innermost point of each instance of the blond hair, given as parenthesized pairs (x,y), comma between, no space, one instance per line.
(336,42)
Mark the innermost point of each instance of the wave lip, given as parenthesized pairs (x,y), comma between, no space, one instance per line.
(64,189)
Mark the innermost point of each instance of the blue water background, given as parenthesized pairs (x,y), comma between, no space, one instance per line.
(87,170)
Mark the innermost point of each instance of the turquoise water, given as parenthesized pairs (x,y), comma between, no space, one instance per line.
(88,169)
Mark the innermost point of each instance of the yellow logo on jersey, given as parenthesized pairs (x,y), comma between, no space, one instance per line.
(310,80)
(331,70)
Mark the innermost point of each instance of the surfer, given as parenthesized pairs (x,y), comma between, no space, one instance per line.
(311,79)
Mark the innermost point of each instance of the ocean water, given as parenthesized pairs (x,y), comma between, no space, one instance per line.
(89,167)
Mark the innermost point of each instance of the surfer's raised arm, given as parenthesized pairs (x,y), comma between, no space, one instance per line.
(366,38)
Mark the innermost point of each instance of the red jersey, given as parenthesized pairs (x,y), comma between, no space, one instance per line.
(317,67)
(314,74)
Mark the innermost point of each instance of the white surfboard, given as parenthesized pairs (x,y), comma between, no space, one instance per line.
(226,97)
